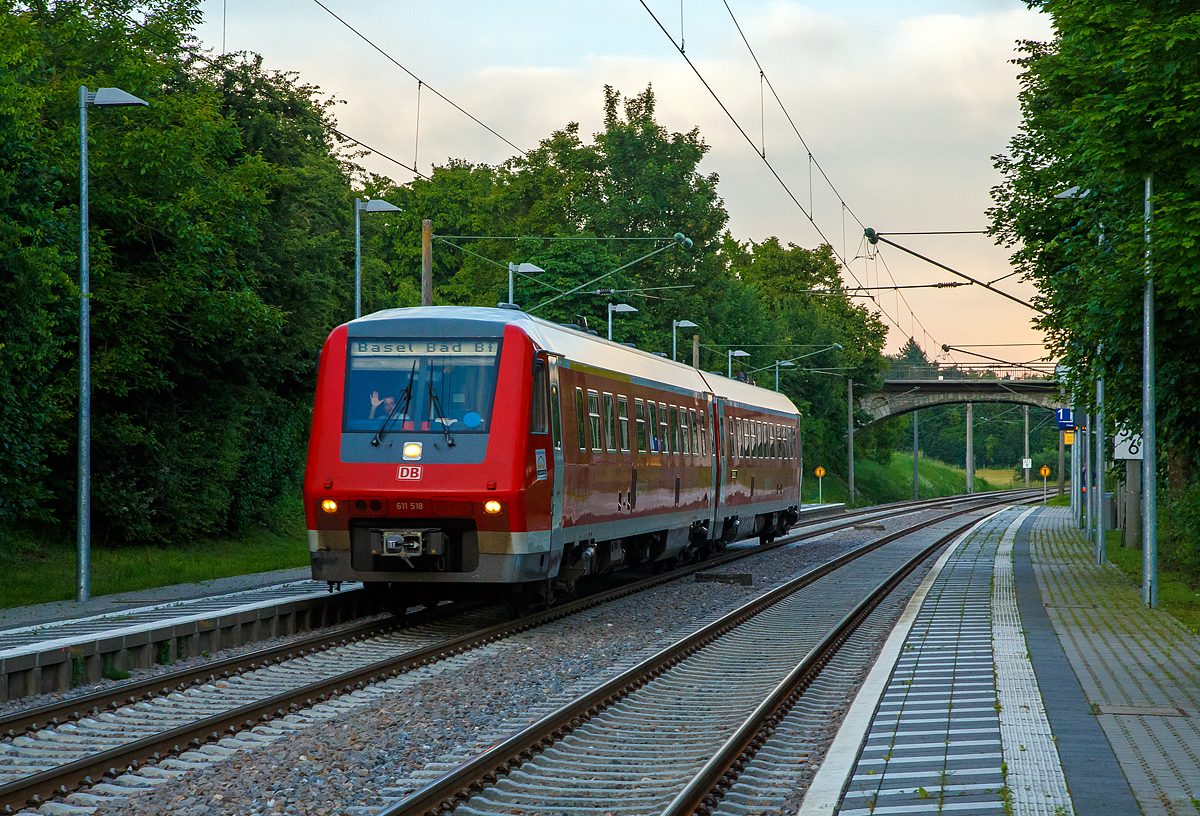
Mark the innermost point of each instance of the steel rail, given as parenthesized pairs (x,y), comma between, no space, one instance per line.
(445,793)
(38,788)
(51,714)
(699,796)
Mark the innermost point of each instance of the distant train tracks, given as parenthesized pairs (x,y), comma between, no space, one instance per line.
(169,722)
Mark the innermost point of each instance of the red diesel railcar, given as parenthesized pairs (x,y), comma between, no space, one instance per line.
(457,449)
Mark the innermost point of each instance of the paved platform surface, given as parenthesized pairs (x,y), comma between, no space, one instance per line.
(1023,679)
(22,616)
(1139,668)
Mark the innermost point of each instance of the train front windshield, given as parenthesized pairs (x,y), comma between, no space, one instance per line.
(425,385)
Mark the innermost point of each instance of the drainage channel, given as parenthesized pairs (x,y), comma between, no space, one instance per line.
(684,723)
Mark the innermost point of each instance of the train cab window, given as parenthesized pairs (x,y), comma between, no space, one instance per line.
(431,385)
(639,419)
(694,425)
(580,424)
(623,421)
(594,418)
(555,419)
(664,441)
(539,420)
(675,447)
(655,436)
(610,422)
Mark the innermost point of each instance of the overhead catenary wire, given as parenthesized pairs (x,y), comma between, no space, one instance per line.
(215,64)
(433,90)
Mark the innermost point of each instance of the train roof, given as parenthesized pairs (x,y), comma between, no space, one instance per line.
(574,344)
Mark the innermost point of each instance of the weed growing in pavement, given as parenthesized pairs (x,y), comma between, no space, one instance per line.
(1006,800)
(111,673)
(1004,771)
(76,671)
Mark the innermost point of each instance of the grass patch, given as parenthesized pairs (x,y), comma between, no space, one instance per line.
(878,483)
(40,570)
(1176,596)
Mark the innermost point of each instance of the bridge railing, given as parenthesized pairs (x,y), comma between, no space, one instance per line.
(967,373)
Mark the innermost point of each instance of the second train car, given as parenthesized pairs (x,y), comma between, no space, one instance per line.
(460,450)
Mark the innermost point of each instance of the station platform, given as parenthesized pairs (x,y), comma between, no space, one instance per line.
(1022,679)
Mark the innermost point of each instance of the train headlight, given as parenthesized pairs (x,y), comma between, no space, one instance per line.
(412,451)
(329,505)
(491,507)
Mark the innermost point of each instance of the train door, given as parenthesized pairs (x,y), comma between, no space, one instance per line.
(720,476)
(556,503)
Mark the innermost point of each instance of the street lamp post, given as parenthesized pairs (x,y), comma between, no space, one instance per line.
(617,307)
(735,353)
(360,206)
(785,364)
(105,98)
(679,324)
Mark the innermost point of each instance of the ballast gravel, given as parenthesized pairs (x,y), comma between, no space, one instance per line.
(371,755)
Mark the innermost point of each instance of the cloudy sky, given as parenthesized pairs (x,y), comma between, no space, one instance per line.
(902,104)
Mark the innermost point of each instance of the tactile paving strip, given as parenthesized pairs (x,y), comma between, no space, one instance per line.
(934,745)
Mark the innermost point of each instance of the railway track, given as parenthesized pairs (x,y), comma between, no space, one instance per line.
(674,733)
(181,721)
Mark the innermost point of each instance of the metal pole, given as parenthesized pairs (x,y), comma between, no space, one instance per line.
(970,448)
(357,259)
(674,354)
(850,432)
(1149,449)
(511,268)
(83,566)
(1100,522)
(916,473)
(777,376)
(729,373)
(426,262)
(1027,445)
(610,321)
(1089,472)
(695,351)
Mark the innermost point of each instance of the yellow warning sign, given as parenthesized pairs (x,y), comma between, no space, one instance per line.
(1045,471)
(820,471)
(1068,437)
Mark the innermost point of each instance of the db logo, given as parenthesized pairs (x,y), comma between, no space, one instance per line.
(409,472)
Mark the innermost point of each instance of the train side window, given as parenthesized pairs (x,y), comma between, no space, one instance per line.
(664,441)
(695,427)
(538,413)
(555,418)
(680,432)
(623,421)
(749,425)
(760,439)
(775,442)
(739,443)
(639,418)
(704,431)
(655,439)
(610,422)
(594,418)
(580,421)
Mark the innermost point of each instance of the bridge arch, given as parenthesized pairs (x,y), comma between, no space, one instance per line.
(904,396)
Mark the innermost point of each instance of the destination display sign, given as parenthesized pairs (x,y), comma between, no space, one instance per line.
(405,348)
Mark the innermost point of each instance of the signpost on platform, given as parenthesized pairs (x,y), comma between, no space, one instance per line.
(820,471)
(1045,471)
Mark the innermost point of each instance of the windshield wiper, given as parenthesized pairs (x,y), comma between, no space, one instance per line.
(405,399)
(437,406)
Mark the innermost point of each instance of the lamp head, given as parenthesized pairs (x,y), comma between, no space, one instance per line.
(739,353)
(685,324)
(620,307)
(115,98)
(378,205)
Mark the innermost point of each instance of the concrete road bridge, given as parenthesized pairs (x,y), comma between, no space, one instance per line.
(906,391)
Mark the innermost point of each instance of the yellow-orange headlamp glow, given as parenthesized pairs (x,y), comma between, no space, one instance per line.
(491,507)
(329,505)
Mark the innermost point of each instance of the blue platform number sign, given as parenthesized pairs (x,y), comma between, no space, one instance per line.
(1066,419)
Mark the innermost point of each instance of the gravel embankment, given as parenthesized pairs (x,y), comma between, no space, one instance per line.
(359,761)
